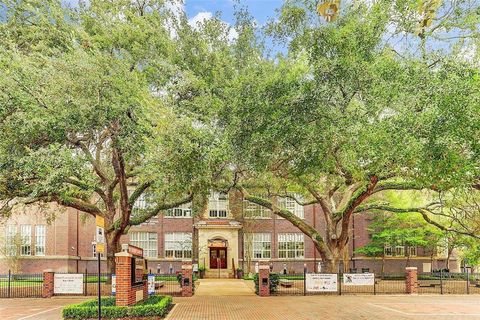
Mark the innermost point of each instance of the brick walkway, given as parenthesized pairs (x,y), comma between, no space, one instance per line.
(224,287)
(326,307)
(36,308)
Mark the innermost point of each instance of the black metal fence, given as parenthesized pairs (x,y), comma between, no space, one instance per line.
(18,285)
(167,284)
(430,283)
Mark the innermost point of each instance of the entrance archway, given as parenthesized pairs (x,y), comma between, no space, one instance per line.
(218,253)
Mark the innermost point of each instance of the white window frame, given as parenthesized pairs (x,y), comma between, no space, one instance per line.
(148,241)
(178,245)
(387,250)
(142,203)
(40,240)
(412,251)
(10,245)
(182,211)
(218,205)
(291,246)
(292,205)
(26,234)
(399,249)
(254,211)
(258,245)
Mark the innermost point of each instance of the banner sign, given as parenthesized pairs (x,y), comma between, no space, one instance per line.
(100,233)
(68,283)
(151,284)
(321,282)
(114,284)
(359,279)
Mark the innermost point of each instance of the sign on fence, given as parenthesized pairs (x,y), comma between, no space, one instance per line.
(114,284)
(321,282)
(151,284)
(358,279)
(71,283)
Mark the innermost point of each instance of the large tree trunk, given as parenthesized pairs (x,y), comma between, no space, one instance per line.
(113,246)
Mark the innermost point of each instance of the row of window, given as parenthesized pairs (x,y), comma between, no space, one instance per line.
(218,207)
(399,251)
(178,245)
(20,242)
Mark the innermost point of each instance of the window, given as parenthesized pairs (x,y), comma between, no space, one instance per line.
(258,245)
(182,211)
(142,203)
(218,205)
(388,250)
(290,245)
(412,251)
(400,251)
(291,205)
(94,250)
(39,240)
(178,245)
(10,245)
(148,241)
(26,234)
(252,210)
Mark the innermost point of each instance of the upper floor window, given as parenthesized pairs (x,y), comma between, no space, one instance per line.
(252,210)
(258,245)
(400,251)
(148,241)
(290,204)
(218,205)
(40,240)
(182,211)
(10,240)
(412,251)
(178,245)
(290,245)
(26,234)
(142,203)
(387,250)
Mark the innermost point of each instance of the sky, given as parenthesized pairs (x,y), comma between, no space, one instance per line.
(261,10)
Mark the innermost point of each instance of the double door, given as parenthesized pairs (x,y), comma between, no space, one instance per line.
(218,258)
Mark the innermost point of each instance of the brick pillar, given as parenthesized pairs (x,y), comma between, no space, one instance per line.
(264,279)
(411,280)
(123,270)
(48,278)
(187,278)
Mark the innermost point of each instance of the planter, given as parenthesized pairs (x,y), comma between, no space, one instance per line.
(201,274)
(239,274)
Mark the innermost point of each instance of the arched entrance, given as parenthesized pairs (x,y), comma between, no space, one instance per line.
(218,253)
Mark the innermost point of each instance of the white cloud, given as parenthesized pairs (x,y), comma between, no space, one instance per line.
(202,16)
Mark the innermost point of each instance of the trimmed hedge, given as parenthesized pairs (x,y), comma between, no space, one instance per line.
(154,306)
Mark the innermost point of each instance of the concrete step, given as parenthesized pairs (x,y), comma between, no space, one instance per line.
(213,274)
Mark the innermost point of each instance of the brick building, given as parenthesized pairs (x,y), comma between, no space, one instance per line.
(230,233)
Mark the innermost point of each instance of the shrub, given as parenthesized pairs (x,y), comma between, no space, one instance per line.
(154,306)
(274,279)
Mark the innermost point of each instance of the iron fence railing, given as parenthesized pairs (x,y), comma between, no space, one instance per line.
(19,285)
(167,284)
(428,283)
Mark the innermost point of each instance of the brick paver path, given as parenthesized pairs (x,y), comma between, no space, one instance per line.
(326,307)
(224,287)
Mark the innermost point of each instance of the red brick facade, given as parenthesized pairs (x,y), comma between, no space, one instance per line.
(70,235)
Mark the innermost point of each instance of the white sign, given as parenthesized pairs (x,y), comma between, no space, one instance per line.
(321,282)
(151,284)
(68,283)
(100,235)
(256,267)
(358,279)
(195,267)
(114,284)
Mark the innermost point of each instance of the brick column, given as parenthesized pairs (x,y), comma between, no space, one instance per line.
(123,270)
(264,279)
(48,278)
(411,280)
(187,278)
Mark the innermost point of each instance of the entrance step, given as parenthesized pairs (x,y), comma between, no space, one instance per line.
(224,274)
